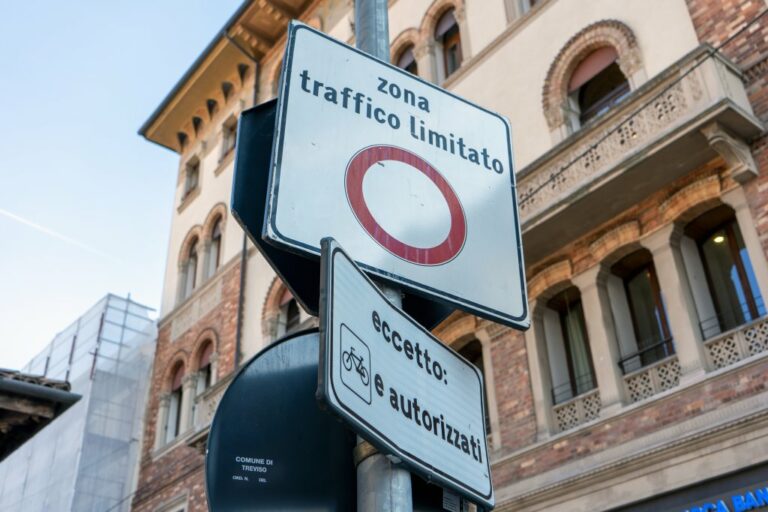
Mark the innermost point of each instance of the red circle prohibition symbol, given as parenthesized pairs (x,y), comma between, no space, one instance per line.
(441,253)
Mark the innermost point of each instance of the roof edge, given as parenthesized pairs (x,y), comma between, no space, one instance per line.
(189,72)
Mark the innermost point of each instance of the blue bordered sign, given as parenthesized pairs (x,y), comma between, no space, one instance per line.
(416,183)
(397,385)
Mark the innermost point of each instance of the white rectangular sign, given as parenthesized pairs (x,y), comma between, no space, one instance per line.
(398,385)
(416,183)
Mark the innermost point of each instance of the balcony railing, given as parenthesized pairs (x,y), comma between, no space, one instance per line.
(650,138)
(580,384)
(578,410)
(738,344)
(653,379)
(649,355)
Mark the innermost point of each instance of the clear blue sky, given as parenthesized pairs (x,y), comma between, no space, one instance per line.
(85,203)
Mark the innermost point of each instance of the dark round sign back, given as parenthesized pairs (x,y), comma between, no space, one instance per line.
(270,446)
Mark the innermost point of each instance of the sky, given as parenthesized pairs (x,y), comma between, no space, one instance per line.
(85,202)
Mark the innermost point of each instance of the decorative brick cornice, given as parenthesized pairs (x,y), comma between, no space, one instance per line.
(597,35)
(456,327)
(700,191)
(550,276)
(615,238)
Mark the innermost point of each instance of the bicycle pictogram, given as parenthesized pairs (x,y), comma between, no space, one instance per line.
(349,357)
(355,365)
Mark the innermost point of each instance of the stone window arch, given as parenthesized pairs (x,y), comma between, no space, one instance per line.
(433,36)
(595,42)
(403,51)
(205,357)
(281,314)
(189,263)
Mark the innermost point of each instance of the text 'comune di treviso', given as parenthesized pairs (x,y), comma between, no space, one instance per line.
(409,407)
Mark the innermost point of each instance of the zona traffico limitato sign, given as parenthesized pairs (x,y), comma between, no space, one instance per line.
(416,183)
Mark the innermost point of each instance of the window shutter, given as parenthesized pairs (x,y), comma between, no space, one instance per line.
(593,64)
(445,24)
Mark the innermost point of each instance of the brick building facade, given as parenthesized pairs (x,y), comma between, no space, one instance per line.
(641,161)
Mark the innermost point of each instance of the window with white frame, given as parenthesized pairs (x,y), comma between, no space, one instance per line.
(173,422)
(191,177)
(569,355)
(214,248)
(448,38)
(725,290)
(205,370)
(189,270)
(229,136)
(289,316)
(597,84)
(407,61)
(642,328)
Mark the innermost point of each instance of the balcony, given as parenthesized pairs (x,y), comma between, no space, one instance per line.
(581,409)
(738,344)
(686,116)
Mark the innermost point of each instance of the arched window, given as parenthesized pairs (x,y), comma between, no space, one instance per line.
(447,34)
(289,318)
(190,270)
(597,83)
(570,358)
(214,251)
(173,424)
(720,270)
(640,300)
(292,316)
(473,352)
(407,61)
(205,370)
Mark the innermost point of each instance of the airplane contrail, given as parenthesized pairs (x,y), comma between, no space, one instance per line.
(54,234)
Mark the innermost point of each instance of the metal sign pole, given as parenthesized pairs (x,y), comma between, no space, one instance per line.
(381,484)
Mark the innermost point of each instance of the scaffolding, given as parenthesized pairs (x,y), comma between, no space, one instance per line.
(86,460)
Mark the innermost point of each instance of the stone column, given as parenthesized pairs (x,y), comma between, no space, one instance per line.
(188,388)
(461,19)
(538,365)
(490,386)
(679,305)
(602,338)
(206,260)
(214,360)
(161,420)
(424,53)
(738,201)
(181,278)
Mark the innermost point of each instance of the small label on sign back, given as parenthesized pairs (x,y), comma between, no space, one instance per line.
(451,501)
